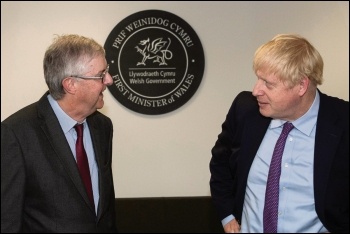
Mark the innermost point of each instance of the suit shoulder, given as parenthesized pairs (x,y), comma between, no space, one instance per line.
(246,102)
(100,118)
(335,105)
(24,115)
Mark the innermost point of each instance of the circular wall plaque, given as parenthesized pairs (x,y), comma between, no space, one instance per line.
(156,61)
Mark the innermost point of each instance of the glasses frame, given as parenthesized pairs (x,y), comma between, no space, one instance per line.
(102,77)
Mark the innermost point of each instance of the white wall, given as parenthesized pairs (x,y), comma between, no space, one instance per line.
(168,155)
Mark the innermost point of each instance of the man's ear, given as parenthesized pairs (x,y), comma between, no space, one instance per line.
(303,85)
(68,84)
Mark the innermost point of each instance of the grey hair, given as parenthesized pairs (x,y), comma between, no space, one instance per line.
(68,55)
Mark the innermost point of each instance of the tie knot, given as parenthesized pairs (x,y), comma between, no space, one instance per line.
(79,129)
(287,127)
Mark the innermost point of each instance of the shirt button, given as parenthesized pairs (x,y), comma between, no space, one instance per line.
(286,165)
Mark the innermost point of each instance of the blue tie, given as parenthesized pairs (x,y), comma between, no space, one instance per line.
(272,187)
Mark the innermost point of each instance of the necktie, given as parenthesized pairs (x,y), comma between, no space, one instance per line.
(272,187)
(82,161)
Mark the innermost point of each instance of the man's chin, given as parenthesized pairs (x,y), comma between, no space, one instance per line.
(99,104)
(264,112)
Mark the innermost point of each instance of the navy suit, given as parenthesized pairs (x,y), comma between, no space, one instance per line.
(41,189)
(241,136)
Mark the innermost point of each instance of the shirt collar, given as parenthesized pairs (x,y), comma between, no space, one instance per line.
(66,122)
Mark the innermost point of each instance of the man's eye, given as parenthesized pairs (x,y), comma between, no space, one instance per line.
(267,84)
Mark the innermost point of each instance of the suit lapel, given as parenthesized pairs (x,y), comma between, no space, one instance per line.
(328,135)
(58,141)
(253,133)
(96,137)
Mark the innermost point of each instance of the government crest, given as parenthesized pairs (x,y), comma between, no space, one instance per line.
(156,60)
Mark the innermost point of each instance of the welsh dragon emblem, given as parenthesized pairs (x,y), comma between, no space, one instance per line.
(154,50)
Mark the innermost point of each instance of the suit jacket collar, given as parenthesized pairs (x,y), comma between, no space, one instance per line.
(52,129)
(328,135)
(96,140)
(253,132)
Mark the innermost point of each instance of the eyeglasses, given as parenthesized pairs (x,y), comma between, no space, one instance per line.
(102,77)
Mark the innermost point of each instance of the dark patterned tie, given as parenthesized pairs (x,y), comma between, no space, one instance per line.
(82,162)
(272,187)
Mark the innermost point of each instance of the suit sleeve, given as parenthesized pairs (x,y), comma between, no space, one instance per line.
(12,181)
(222,164)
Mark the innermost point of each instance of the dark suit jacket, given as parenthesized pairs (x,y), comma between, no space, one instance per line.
(237,144)
(41,190)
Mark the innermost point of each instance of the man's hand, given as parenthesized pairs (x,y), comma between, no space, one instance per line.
(232,227)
